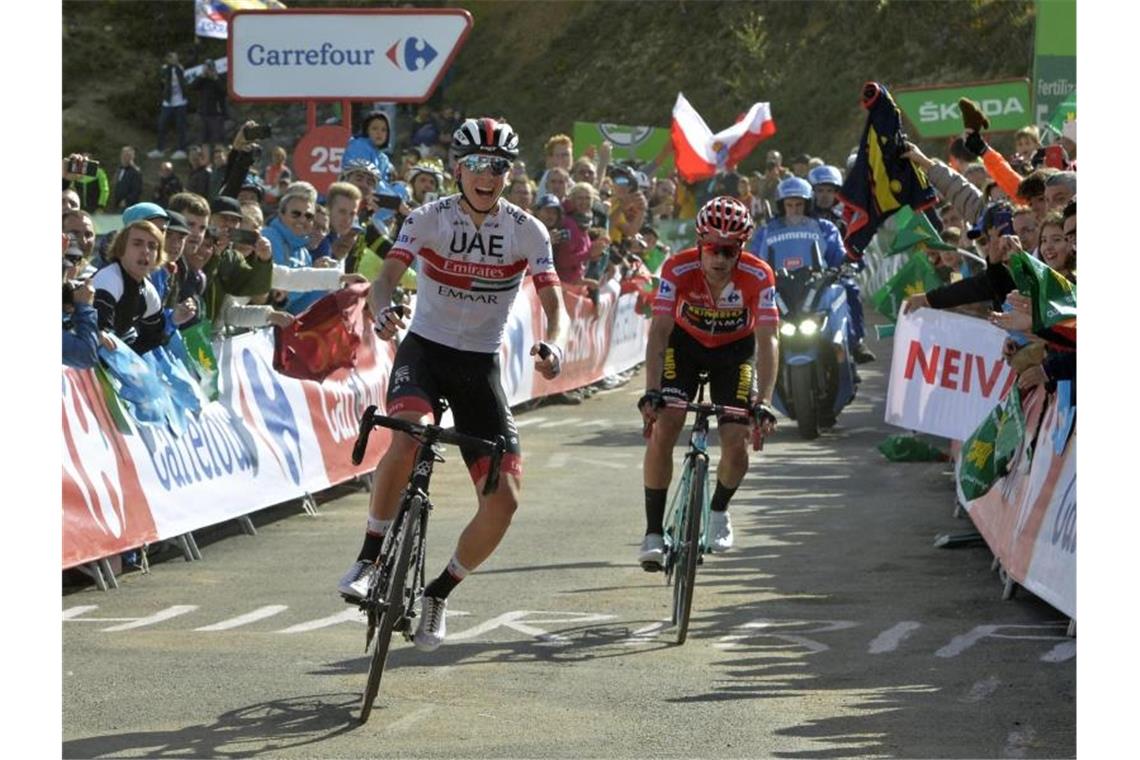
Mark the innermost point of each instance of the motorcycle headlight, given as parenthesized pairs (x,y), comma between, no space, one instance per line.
(809,327)
(787,329)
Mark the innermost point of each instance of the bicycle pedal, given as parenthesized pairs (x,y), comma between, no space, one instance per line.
(652,567)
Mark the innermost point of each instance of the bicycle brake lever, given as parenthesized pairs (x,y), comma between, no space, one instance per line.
(362,437)
(492,483)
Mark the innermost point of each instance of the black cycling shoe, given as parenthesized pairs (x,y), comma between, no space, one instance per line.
(862,354)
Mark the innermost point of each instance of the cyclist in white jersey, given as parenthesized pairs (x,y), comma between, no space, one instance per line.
(474,248)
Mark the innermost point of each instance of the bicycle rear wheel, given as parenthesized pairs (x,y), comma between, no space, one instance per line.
(394,598)
(689,552)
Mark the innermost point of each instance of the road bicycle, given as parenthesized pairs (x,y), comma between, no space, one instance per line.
(687,515)
(398,580)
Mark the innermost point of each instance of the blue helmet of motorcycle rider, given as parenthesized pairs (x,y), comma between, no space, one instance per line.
(793,189)
(825,183)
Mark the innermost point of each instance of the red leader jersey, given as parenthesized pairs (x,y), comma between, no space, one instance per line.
(747,300)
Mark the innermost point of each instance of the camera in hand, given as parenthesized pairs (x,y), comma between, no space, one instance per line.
(244,237)
(560,236)
(387,201)
(69,289)
(88,167)
(257,132)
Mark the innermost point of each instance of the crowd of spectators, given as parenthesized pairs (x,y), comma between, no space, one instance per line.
(241,244)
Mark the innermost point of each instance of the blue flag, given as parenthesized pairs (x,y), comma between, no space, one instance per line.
(136,384)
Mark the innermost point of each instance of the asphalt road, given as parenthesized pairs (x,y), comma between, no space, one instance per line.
(833,629)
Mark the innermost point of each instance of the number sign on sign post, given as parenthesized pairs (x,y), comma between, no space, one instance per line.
(394,55)
(316,158)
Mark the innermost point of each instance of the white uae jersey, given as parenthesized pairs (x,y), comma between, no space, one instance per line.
(468,278)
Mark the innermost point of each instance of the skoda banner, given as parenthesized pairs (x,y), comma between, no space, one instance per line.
(641,144)
(934,110)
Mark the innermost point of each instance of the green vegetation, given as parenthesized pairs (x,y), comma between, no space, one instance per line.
(544,65)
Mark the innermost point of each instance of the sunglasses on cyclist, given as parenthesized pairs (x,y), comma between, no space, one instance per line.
(480,164)
(309,215)
(725,250)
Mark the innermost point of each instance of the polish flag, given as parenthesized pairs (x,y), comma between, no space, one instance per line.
(700,154)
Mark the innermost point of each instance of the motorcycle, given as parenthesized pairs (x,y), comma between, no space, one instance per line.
(816,377)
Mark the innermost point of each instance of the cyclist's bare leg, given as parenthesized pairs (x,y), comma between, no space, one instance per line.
(393,470)
(733,454)
(487,528)
(658,463)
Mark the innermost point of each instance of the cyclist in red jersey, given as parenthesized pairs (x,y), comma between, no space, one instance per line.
(715,311)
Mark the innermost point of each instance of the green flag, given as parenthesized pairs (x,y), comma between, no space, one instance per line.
(916,276)
(1054,297)
(986,454)
(200,348)
(1066,111)
(911,229)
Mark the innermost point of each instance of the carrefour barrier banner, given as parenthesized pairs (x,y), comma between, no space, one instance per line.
(947,373)
(267,439)
(270,438)
(1029,516)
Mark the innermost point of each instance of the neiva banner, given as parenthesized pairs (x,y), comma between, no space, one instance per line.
(947,373)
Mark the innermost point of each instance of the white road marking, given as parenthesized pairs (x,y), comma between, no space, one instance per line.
(595,423)
(1066,650)
(982,689)
(250,617)
(961,643)
(559,423)
(73,612)
(158,617)
(648,634)
(352,615)
(513,620)
(528,421)
(1019,741)
(406,722)
(889,640)
(558,459)
(601,463)
(760,627)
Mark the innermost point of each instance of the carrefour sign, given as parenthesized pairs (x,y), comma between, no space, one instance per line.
(934,110)
(385,54)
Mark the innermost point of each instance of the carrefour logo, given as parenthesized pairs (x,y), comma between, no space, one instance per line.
(412,54)
(277,425)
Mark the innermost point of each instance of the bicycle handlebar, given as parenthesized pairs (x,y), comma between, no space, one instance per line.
(427,435)
(709,410)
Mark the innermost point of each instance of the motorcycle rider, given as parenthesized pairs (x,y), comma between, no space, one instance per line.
(825,184)
(787,242)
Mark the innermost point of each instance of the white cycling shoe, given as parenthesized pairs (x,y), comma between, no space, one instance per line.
(353,584)
(720,531)
(433,624)
(651,555)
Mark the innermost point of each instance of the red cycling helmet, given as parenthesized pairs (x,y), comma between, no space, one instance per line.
(723,219)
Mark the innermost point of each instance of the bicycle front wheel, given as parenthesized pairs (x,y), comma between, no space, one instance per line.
(394,596)
(689,549)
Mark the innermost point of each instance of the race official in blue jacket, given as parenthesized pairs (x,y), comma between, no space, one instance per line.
(788,242)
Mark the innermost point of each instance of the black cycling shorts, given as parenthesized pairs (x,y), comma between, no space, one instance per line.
(425,372)
(731,379)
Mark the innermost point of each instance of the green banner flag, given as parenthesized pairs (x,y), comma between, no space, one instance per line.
(200,348)
(916,276)
(1067,111)
(911,229)
(1054,297)
(986,454)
